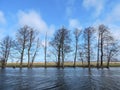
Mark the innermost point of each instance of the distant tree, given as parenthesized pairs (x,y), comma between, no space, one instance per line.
(103,34)
(5,48)
(55,43)
(44,45)
(31,42)
(77,34)
(61,42)
(110,48)
(98,49)
(113,51)
(22,39)
(65,43)
(88,37)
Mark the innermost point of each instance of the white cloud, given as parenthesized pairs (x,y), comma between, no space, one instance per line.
(32,18)
(2,18)
(74,23)
(97,5)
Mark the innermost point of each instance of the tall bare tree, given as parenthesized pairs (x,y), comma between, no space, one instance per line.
(32,37)
(77,33)
(55,43)
(88,36)
(65,43)
(22,38)
(61,43)
(103,34)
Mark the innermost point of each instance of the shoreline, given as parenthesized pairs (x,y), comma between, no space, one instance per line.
(66,64)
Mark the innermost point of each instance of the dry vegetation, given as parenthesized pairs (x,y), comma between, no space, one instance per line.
(66,64)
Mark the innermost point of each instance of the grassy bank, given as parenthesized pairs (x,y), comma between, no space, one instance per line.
(66,64)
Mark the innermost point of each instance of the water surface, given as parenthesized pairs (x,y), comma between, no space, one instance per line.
(60,79)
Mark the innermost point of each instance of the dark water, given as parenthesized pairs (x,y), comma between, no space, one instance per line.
(60,79)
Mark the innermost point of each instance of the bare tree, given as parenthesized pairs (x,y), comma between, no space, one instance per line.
(65,43)
(61,43)
(32,37)
(103,34)
(88,36)
(22,38)
(55,43)
(110,48)
(77,33)
(113,51)
(5,48)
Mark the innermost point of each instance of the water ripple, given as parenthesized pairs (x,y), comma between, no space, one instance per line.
(60,79)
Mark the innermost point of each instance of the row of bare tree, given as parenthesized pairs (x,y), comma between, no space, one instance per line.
(90,44)
(25,43)
(85,45)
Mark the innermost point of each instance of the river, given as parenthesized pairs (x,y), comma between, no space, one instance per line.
(60,79)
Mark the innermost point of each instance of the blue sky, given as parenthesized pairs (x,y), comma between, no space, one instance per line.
(50,15)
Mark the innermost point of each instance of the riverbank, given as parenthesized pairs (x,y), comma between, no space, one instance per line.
(66,64)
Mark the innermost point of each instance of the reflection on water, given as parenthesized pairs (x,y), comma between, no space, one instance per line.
(60,79)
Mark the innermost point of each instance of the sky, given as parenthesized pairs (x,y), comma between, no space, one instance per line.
(50,15)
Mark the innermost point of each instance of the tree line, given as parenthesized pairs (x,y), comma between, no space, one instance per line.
(89,44)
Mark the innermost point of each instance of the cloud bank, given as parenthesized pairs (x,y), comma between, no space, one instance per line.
(33,19)
(96,5)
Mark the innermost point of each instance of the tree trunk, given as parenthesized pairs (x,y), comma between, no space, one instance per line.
(88,51)
(75,53)
(58,64)
(33,58)
(98,51)
(108,62)
(21,61)
(45,49)
(31,65)
(101,51)
(62,57)
(22,54)
(45,57)
(28,58)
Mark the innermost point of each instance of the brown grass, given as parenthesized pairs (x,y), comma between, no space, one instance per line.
(66,64)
